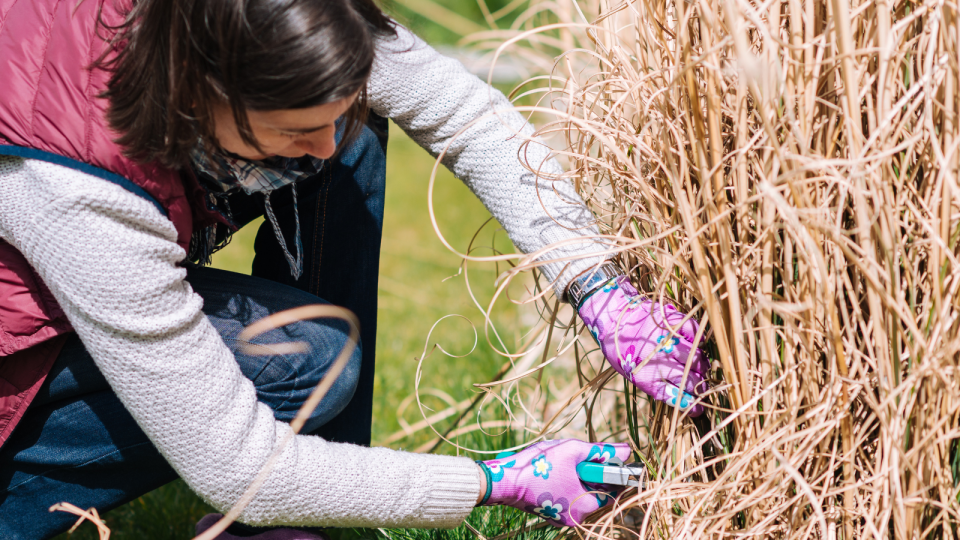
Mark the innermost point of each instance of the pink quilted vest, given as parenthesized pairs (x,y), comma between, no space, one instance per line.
(49,110)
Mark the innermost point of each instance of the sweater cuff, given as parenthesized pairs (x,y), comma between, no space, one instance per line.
(578,258)
(453,491)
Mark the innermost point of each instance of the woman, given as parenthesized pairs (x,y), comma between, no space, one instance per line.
(121,367)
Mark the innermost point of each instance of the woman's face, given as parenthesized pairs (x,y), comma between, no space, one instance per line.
(289,132)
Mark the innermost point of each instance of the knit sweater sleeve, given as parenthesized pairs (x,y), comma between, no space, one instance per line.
(111,260)
(436,101)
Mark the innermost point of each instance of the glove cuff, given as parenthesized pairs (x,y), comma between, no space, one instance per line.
(486,472)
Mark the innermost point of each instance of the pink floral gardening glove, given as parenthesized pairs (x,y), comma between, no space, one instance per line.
(542,479)
(645,338)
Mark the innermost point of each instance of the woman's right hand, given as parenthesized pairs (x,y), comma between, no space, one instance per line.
(542,479)
(648,343)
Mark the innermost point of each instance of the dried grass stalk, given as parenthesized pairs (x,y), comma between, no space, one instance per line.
(90,515)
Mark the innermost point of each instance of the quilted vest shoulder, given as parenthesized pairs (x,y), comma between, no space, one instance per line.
(50,94)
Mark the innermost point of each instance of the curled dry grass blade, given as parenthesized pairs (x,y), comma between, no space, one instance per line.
(785,171)
(90,515)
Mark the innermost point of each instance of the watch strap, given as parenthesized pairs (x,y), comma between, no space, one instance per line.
(591,280)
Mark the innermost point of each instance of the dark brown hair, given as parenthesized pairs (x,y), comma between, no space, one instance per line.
(177,58)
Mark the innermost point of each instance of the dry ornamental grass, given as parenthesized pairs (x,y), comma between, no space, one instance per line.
(786,171)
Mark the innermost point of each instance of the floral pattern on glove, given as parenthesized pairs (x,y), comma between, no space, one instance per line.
(604,454)
(543,480)
(610,286)
(548,508)
(648,343)
(629,360)
(542,467)
(496,469)
(673,392)
(667,343)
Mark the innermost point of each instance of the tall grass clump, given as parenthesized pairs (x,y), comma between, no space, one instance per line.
(786,171)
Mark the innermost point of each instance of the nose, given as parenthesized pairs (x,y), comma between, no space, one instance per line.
(320,145)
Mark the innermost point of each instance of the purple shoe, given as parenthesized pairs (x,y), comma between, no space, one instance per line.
(256,533)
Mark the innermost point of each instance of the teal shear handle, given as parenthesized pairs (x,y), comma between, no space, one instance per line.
(609,473)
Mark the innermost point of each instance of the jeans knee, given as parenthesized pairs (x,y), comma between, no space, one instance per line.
(339,395)
(285,381)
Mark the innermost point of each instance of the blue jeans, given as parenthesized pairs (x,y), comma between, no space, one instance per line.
(77,443)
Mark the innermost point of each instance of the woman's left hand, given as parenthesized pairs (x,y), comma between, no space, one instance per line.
(542,479)
(633,331)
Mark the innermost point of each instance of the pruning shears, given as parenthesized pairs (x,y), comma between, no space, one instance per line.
(631,474)
(634,474)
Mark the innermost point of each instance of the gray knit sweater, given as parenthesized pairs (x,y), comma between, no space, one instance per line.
(111,260)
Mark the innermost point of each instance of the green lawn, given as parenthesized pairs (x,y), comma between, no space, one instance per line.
(419,285)
(414,293)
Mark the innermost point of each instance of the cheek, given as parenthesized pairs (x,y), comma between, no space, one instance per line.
(230,142)
(228,138)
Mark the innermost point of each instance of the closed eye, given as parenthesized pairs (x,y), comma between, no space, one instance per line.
(304,131)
